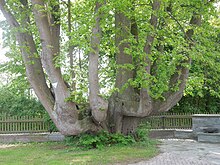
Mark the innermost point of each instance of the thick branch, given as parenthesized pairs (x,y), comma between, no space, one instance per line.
(34,70)
(150,37)
(9,17)
(145,105)
(47,41)
(71,47)
(50,49)
(98,105)
(171,98)
(123,25)
(55,26)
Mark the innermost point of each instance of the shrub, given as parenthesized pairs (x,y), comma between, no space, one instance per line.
(142,133)
(99,140)
(19,105)
(105,139)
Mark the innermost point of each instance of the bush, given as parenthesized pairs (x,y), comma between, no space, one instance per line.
(19,105)
(105,139)
(142,133)
(12,104)
(189,104)
(99,140)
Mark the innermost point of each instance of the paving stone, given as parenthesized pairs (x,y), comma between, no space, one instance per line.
(185,152)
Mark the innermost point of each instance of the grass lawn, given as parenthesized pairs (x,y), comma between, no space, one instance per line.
(59,154)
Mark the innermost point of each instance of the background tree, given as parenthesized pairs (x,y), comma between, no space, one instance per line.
(202,91)
(17,105)
(17,97)
(142,48)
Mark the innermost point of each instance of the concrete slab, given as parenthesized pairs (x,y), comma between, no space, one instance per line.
(209,137)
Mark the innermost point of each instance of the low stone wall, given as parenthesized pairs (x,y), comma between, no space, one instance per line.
(206,127)
(171,134)
(184,134)
(199,121)
(161,134)
(31,137)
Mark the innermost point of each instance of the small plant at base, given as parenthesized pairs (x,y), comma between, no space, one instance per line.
(142,133)
(99,140)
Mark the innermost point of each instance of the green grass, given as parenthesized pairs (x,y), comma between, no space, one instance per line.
(60,154)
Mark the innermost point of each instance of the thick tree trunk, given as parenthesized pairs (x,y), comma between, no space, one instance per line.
(119,119)
(125,103)
(128,106)
(129,124)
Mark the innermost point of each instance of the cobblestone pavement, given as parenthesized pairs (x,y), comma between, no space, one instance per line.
(185,152)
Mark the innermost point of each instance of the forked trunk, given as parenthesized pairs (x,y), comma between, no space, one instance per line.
(121,122)
(125,108)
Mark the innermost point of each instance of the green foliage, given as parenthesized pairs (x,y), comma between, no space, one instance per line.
(196,104)
(173,22)
(168,34)
(13,69)
(13,104)
(99,140)
(105,139)
(142,133)
(205,70)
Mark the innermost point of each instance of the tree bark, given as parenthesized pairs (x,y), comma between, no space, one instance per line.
(64,114)
(124,103)
(71,48)
(145,105)
(97,104)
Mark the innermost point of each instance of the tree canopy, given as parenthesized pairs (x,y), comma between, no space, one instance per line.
(128,59)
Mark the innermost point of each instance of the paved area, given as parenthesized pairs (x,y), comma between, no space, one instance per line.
(185,152)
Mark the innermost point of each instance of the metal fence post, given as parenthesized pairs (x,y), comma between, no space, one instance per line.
(163,122)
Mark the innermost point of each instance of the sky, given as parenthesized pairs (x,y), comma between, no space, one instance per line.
(2,50)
